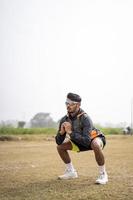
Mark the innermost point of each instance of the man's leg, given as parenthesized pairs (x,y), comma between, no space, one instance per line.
(97,146)
(63,152)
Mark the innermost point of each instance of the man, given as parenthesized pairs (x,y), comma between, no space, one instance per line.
(127,130)
(83,136)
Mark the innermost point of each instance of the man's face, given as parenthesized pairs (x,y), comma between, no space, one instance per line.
(72,107)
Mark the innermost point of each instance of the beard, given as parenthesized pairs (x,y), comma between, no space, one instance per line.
(72,113)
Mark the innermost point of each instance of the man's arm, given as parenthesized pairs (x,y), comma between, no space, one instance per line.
(83,137)
(61,134)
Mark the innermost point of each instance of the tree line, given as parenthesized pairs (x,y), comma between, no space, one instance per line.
(39,120)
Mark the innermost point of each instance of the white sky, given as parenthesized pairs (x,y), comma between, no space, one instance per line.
(51,47)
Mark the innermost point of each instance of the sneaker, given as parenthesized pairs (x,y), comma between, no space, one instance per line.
(68,175)
(102,179)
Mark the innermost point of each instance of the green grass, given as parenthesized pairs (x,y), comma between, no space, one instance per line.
(48,131)
(25,131)
(14,134)
(112,131)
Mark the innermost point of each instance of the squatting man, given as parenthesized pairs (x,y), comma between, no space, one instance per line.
(77,133)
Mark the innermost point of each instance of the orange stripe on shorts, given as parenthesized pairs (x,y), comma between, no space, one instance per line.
(93,134)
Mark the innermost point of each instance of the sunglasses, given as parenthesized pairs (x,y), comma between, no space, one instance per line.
(70,103)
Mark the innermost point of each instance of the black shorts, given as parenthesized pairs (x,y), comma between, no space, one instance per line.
(79,147)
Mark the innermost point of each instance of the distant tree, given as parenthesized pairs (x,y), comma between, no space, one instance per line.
(41,120)
(21,124)
(8,123)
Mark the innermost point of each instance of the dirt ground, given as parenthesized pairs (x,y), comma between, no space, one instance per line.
(29,170)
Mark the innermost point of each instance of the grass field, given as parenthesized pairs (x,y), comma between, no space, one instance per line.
(29,170)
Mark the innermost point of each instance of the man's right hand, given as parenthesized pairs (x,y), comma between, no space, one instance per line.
(62,130)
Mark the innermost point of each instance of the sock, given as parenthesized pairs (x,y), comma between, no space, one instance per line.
(70,166)
(102,169)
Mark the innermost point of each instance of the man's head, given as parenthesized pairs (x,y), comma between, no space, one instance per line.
(73,103)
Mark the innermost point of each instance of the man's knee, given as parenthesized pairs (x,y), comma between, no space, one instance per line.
(97,144)
(64,146)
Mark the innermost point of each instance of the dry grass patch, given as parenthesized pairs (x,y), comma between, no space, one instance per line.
(29,170)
